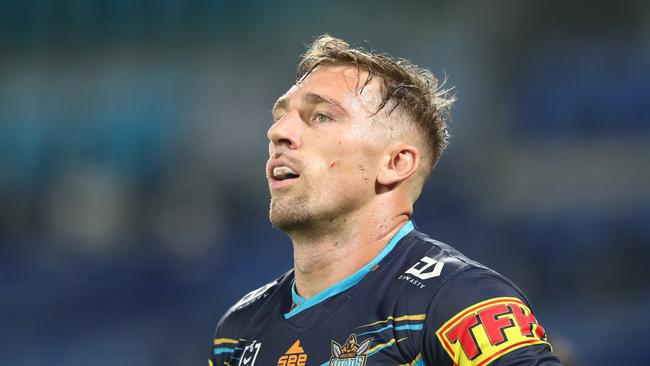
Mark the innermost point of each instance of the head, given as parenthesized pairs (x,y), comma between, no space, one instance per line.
(356,129)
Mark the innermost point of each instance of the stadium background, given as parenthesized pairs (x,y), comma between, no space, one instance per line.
(133,204)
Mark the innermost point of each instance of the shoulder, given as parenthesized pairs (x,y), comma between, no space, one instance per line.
(448,280)
(431,277)
(473,314)
(247,307)
(429,265)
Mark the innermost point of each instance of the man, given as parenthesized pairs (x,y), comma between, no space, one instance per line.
(353,142)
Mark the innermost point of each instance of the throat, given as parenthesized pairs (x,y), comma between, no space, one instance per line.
(336,271)
(321,264)
(319,267)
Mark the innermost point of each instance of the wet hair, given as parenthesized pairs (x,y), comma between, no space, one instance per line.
(405,87)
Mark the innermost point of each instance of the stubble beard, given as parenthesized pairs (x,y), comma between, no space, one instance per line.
(300,214)
(290,213)
(303,214)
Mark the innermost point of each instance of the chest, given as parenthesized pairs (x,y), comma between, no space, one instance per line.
(345,338)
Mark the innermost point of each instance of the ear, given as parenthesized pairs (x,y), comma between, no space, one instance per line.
(399,163)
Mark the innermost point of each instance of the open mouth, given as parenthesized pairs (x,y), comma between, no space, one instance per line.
(283,172)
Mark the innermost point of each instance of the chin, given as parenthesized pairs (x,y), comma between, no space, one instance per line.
(289,216)
(289,222)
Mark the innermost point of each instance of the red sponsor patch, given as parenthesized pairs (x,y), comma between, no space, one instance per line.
(486,331)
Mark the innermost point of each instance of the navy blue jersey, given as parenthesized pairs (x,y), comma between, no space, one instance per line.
(419,302)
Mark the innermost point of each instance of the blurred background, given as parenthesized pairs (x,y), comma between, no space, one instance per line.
(133,203)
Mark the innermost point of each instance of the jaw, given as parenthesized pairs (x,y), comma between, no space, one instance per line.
(289,212)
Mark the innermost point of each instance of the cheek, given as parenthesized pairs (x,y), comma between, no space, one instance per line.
(348,161)
(353,172)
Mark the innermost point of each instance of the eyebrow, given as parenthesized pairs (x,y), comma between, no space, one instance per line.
(281,103)
(310,98)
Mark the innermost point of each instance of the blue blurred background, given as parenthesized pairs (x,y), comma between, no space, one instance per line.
(133,204)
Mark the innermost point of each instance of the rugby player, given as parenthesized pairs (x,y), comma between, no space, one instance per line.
(352,144)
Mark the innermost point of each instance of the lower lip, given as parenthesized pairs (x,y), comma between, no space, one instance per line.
(277,184)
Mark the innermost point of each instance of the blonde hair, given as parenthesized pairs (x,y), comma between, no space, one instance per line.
(405,86)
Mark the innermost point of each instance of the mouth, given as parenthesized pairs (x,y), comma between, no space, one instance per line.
(280,174)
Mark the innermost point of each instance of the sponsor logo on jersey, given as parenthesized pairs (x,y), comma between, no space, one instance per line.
(426,268)
(295,356)
(351,353)
(486,331)
(249,355)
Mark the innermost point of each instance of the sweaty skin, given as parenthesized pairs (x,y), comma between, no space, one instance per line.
(343,176)
(351,195)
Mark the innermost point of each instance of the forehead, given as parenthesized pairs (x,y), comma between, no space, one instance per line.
(346,84)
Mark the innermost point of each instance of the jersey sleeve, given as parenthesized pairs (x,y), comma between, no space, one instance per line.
(478,318)
(229,341)
(225,344)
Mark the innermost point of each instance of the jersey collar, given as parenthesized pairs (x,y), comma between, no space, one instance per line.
(302,304)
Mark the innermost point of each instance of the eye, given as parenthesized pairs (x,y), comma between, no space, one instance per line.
(321,118)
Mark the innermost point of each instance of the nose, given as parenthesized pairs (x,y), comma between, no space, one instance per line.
(286,131)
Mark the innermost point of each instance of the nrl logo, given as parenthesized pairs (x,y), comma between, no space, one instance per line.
(351,353)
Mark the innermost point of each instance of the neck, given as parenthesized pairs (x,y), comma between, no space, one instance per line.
(337,249)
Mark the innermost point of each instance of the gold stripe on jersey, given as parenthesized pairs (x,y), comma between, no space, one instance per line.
(396,319)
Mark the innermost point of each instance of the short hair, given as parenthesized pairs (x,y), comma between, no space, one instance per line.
(405,86)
